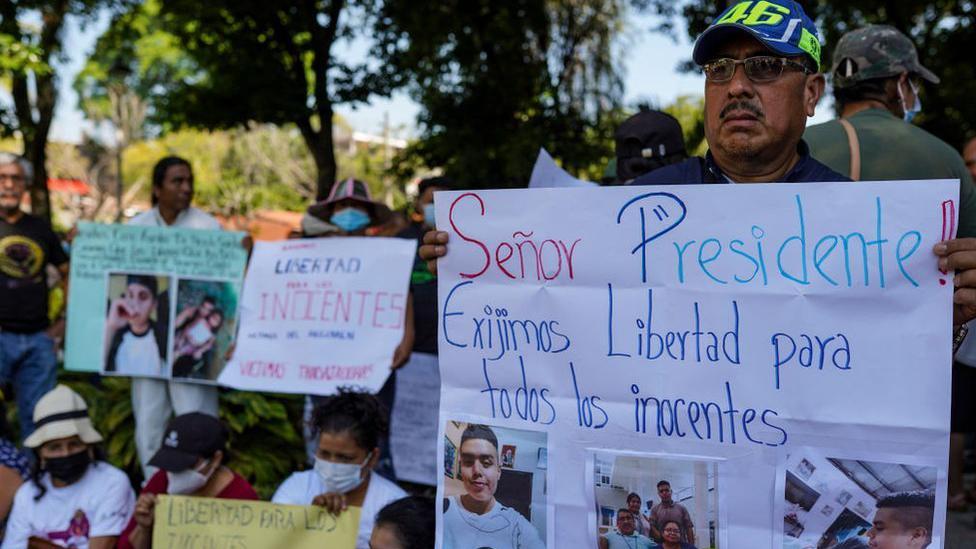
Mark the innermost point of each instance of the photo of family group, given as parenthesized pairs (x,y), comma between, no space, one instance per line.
(648,501)
(833,503)
(147,329)
(494,487)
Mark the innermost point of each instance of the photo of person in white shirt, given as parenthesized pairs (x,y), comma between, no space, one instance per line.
(134,344)
(476,519)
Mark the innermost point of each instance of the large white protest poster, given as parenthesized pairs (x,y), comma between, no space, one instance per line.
(749,345)
(318,314)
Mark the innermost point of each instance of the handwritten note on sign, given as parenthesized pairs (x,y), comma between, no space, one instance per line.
(732,323)
(169,255)
(237,524)
(320,314)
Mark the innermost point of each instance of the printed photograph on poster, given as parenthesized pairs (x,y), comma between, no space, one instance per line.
(857,504)
(450,456)
(508,456)
(655,500)
(136,325)
(486,504)
(203,328)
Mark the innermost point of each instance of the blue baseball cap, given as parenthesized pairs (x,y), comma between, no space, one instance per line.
(780,25)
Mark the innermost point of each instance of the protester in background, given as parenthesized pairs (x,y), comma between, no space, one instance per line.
(642,524)
(969,157)
(191,462)
(14,467)
(647,141)
(407,523)
(476,518)
(133,344)
(626,536)
(876,76)
(74,499)
(669,510)
(154,401)
(351,209)
(349,427)
(903,520)
(27,336)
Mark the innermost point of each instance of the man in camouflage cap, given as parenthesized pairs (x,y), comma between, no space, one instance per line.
(876,75)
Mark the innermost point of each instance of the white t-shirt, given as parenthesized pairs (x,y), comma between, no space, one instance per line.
(99,504)
(301,488)
(190,218)
(500,528)
(139,355)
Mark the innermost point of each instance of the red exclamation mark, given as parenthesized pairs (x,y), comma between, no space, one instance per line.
(948,226)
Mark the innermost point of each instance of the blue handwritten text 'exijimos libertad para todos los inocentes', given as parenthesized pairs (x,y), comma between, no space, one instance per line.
(844,259)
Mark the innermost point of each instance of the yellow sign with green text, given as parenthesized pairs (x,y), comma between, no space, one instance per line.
(206,523)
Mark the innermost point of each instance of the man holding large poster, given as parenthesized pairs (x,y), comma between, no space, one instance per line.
(154,400)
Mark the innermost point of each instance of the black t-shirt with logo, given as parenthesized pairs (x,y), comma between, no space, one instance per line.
(26,248)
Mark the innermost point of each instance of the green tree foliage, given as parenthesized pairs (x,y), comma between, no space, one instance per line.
(30,51)
(225,63)
(944,32)
(497,79)
(689,110)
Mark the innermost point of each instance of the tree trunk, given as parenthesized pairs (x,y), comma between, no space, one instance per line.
(36,152)
(319,143)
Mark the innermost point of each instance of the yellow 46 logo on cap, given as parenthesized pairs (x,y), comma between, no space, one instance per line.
(755,13)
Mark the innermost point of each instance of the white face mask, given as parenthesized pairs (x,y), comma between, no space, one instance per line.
(188,481)
(340,478)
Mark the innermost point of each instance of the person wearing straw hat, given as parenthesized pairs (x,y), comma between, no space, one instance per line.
(351,208)
(74,499)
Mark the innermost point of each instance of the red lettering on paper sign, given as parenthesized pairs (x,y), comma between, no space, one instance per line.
(335,372)
(260,368)
(526,256)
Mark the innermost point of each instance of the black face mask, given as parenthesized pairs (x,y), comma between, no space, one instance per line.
(68,469)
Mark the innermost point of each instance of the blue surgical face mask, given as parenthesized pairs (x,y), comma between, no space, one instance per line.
(916,107)
(429,215)
(350,219)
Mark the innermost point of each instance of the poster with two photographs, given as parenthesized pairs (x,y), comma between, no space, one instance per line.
(492,489)
(162,326)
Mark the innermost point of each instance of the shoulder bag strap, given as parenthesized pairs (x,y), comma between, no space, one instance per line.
(855,147)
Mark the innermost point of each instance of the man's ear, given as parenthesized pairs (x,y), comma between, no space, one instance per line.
(813,90)
(217,460)
(921,537)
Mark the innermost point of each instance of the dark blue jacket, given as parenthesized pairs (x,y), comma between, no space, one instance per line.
(704,170)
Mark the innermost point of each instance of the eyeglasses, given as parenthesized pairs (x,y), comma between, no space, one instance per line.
(672,531)
(762,68)
(12,178)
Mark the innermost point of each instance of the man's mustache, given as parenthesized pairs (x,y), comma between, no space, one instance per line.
(744,106)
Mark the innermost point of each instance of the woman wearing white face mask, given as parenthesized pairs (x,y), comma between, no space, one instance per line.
(191,462)
(349,426)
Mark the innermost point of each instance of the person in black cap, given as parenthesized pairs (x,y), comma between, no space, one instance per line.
(647,141)
(192,462)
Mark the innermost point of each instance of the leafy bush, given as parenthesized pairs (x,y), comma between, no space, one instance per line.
(265,430)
